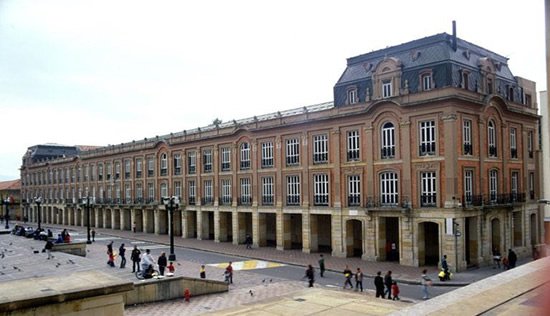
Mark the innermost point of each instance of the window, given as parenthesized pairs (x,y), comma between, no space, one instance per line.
(292,190)
(267,191)
(267,155)
(388,141)
(150,167)
(139,168)
(226,192)
(117,170)
(353,145)
(92,174)
(493,186)
(468,187)
(177,164)
(207,160)
(427,82)
(86,174)
(320,189)
(163,190)
(352,96)
(320,149)
(292,152)
(530,143)
(513,144)
(127,169)
(107,166)
(354,190)
(245,156)
(163,164)
(150,192)
(245,198)
(127,193)
(510,95)
(492,139)
(531,185)
(191,162)
(429,190)
(386,89)
(464,84)
(226,159)
(191,192)
(467,137)
(389,194)
(427,138)
(489,86)
(514,185)
(208,196)
(177,189)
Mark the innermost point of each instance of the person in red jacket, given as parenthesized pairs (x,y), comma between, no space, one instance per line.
(395,291)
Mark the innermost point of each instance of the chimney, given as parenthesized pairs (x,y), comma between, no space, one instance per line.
(453,41)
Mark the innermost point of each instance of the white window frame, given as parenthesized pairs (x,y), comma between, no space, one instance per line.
(139,192)
(226,158)
(177,164)
(427,138)
(192,162)
(513,143)
(352,96)
(150,167)
(164,164)
(293,190)
(245,156)
(530,136)
(491,138)
(292,151)
(467,137)
(127,169)
(139,167)
(387,141)
(426,82)
(268,192)
(320,149)
(493,185)
(514,185)
(164,190)
(353,145)
(150,191)
(468,186)
(389,189)
(245,196)
(354,190)
(320,189)
(428,187)
(208,192)
(207,160)
(226,191)
(192,192)
(267,154)
(387,89)
(177,189)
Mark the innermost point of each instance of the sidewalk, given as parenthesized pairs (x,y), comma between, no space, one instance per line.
(404,274)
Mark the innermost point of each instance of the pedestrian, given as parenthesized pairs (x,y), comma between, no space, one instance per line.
(395,291)
(171,267)
(147,262)
(48,248)
(162,262)
(202,272)
(134,227)
(248,241)
(310,275)
(505,263)
(229,271)
(359,280)
(388,282)
(321,265)
(122,254)
(379,284)
(111,255)
(135,258)
(512,258)
(347,275)
(425,281)
(93,235)
(496,258)
(445,267)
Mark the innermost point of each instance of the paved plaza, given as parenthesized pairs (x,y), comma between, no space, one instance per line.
(22,258)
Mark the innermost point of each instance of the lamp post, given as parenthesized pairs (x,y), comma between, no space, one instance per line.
(171,203)
(7,217)
(87,206)
(38,200)
(457,234)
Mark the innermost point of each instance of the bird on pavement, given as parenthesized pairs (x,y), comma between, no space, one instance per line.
(251,293)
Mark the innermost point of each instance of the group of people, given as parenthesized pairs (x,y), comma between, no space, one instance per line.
(144,262)
(507,262)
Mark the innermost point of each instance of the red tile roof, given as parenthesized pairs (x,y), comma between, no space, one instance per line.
(10,185)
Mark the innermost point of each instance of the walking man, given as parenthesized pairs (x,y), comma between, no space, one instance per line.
(93,235)
(135,258)
(322,266)
(310,275)
(122,254)
(379,284)
(248,241)
(512,258)
(445,267)
(388,283)
(48,247)
(359,280)
(229,272)
(424,283)
(162,262)
(347,275)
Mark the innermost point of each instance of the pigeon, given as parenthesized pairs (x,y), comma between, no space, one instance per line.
(270,280)
(11,243)
(251,293)
(263,281)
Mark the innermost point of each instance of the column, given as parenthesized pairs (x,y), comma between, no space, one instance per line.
(184,219)
(157,228)
(255,228)
(217,237)
(199,224)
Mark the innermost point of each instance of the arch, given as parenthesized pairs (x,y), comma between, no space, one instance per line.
(386,65)
(388,238)
(428,243)
(354,238)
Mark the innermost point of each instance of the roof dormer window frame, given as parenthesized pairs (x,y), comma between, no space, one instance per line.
(352,95)
(387,78)
(426,81)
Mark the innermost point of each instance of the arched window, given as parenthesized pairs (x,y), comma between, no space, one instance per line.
(492,139)
(163,164)
(388,141)
(245,156)
(389,189)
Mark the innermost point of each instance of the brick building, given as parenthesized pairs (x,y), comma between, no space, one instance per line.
(429,148)
(10,195)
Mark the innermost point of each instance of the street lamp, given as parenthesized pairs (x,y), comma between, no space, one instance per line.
(87,206)
(171,203)
(38,200)
(457,234)
(7,217)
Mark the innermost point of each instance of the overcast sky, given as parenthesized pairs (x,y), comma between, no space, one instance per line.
(106,72)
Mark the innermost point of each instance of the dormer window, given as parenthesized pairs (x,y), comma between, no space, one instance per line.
(464,82)
(386,89)
(352,96)
(426,80)
(489,86)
